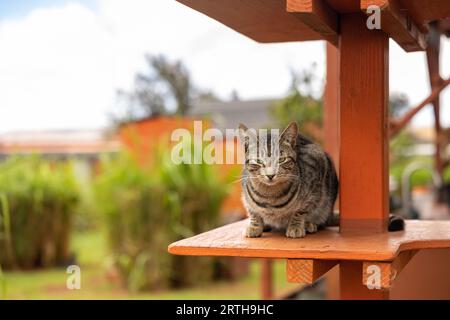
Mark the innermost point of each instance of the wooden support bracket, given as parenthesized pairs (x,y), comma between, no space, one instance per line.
(387,271)
(307,271)
(318,16)
(397,24)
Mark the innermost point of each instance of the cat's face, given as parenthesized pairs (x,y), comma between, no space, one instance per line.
(271,158)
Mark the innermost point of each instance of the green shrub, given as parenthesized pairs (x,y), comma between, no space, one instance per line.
(38,199)
(147,208)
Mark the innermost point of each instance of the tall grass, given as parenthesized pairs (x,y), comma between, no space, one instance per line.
(38,200)
(148,207)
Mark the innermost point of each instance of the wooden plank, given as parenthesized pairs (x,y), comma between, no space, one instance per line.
(266,279)
(307,271)
(423,12)
(327,244)
(263,21)
(318,15)
(364,189)
(351,286)
(331,105)
(389,271)
(398,24)
(398,124)
(425,277)
(433,60)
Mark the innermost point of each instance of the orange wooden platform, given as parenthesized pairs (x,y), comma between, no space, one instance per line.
(327,244)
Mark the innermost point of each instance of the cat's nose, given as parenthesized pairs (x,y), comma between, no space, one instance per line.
(270,176)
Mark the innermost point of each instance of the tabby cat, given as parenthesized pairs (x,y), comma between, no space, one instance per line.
(288,183)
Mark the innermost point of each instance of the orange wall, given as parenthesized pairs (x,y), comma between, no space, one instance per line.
(142,137)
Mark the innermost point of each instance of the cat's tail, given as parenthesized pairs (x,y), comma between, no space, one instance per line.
(396,222)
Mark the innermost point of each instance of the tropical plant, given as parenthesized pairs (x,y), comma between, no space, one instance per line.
(148,207)
(38,200)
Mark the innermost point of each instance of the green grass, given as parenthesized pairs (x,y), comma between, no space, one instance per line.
(98,282)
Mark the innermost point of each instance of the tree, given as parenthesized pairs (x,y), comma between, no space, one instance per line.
(398,103)
(300,106)
(166,88)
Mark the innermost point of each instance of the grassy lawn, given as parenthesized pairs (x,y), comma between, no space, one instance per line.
(98,283)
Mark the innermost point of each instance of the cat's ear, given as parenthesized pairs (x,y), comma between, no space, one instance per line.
(247,136)
(289,134)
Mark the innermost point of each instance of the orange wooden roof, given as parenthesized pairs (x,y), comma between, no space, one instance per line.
(270,21)
(262,21)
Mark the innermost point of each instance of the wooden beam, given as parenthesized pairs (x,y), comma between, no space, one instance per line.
(398,124)
(318,15)
(389,271)
(364,81)
(266,279)
(331,105)
(263,21)
(398,24)
(307,271)
(351,285)
(433,60)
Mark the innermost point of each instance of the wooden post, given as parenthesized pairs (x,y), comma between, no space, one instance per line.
(364,193)
(331,140)
(364,190)
(266,279)
(331,104)
(433,51)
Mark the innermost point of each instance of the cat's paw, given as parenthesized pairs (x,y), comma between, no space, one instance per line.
(311,227)
(253,231)
(295,232)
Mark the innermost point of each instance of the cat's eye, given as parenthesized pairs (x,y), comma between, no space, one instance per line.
(284,160)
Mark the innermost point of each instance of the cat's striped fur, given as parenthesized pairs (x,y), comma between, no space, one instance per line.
(292,187)
(293,190)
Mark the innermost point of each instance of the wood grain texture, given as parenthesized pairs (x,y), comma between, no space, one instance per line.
(423,12)
(318,15)
(351,285)
(307,271)
(389,270)
(331,105)
(364,165)
(263,21)
(398,24)
(327,244)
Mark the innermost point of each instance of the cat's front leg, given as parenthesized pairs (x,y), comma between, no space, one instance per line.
(296,227)
(255,228)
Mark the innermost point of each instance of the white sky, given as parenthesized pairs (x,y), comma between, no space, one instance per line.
(60,66)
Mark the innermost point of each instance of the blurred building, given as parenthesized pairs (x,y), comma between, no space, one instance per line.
(229,114)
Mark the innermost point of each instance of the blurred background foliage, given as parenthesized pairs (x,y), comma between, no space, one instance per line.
(146,207)
(38,200)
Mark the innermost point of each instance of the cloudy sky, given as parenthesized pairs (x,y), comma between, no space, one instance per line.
(61,61)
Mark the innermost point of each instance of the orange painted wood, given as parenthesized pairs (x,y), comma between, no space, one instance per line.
(364,191)
(424,277)
(398,25)
(307,271)
(423,12)
(318,15)
(331,105)
(351,286)
(433,59)
(327,244)
(398,124)
(266,279)
(389,270)
(263,21)
(268,20)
